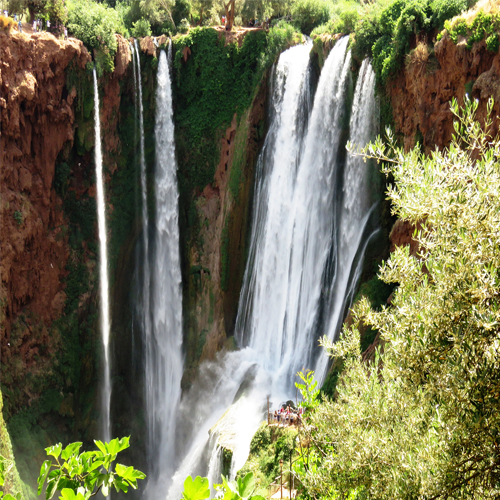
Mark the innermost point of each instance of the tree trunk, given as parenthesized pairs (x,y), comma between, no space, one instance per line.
(229,8)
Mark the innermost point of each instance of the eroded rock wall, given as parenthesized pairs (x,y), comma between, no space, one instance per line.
(434,74)
(37,119)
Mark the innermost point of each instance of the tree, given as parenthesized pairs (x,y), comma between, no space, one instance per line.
(78,476)
(422,420)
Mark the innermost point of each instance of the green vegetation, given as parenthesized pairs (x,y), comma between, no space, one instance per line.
(421,420)
(18,217)
(217,81)
(268,447)
(9,477)
(78,476)
(482,26)
(96,25)
(241,489)
(5,467)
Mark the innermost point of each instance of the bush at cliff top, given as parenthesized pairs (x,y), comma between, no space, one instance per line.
(141,28)
(215,82)
(307,14)
(95,25)
(421,420)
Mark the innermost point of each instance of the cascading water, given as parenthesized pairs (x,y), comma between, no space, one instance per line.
(163,339)
(103,267)
(282,291)
(357,206)
(307,230)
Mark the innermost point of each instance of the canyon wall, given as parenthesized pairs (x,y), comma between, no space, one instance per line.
(49,340)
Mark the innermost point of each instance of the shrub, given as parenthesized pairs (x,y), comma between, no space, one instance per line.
(421,420)
(141,28)
(446,9)
(183,26)
(7,23)
(95,25)
(481,27)
(307,14)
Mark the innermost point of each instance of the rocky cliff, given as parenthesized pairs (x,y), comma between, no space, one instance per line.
(37,119)
(433,75)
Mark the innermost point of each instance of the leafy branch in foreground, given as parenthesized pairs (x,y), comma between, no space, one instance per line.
(421,420)
(241,489)
(79,476)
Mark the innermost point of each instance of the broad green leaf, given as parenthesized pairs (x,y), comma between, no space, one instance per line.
(246,485)
(54,451)
(44,472)
(70,450)
(101,446)
(197,489)
(52,483)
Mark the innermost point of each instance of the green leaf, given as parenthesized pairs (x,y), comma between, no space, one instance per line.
(44,472)
(198,489)
(70,450)
(52,483)
(246,485)
(54,451)
(101,446)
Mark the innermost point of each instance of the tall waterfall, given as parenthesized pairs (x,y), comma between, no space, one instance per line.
(163,335)
(293,234)
(309,232)
(103,266)
(356,209)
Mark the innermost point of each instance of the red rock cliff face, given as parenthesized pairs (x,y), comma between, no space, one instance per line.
(421,94)
(36,121)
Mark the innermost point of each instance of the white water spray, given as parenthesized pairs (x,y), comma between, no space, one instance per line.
(163,341)
(357,205)
(103,268)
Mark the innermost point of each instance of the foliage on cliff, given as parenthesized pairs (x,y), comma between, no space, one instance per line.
(11,483)
(483,26)
(270,445)
(95,25)
(422,421)
(385,30)
(216,81)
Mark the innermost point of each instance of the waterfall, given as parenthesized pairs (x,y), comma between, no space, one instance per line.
(163,340)
(103,267)
(292,234)
(310,229)
(357,206)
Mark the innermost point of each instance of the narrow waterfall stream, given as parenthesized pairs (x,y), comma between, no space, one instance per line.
(163,334)
(103,267)
(146,317)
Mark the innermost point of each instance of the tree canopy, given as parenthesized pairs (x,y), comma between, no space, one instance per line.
(421,420)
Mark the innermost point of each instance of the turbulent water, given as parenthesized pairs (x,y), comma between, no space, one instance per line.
(162,301)
(355,222)
(103,267)
(311,223)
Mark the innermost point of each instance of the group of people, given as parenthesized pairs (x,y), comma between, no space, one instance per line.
(37,24)
(288,416)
